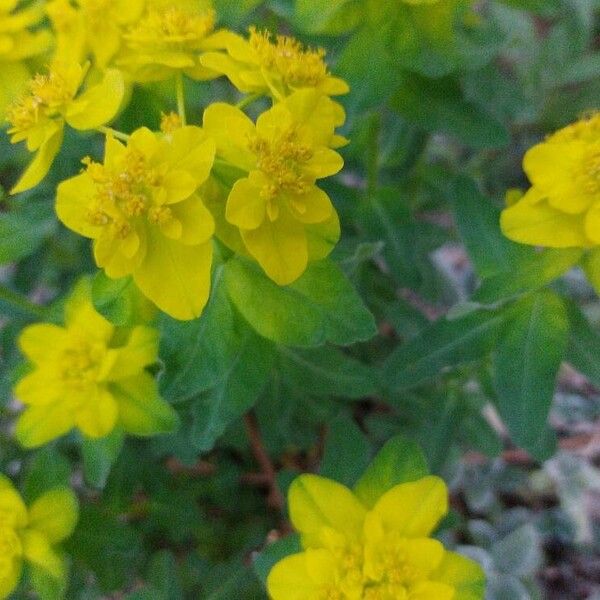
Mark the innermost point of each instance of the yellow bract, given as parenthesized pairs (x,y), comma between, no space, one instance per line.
(562,207)
(39,116)
(29,535)
(18,43)
(89,375)
(284,219)
(385,553)
(276,66)
(142,209)
(169,40)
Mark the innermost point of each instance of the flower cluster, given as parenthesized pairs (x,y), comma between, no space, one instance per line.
(30,534)
(89,375)
(562,207)
(154,205)
(380,552)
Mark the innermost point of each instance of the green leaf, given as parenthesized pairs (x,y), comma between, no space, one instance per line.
(235,393)
(583,350)
(530,274)
(46,586)
(519,553)
(110,548)
(399,461)
(347,451)
(319,307)
(99,456)
(442,345)
(119,300)
(386,217)
(196,353)
(48,469)
(330,371)
(162,580)
(273,553)
(526,362)
(332,17)
(478,222)
(24,228)
(447,110)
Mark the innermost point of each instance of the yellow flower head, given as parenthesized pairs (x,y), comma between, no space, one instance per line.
(562,207)
(18,43)
(91,28)
(278,207)
(169,40)
(88,375)
(383,552)
(275,66)
(30,535)
(142,209)
(39,116)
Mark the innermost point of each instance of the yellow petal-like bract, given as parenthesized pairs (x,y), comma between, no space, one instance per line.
(30,534)
(353,553)
(277,206)
(88,375)
(39,116)
(562,207)
(142,209)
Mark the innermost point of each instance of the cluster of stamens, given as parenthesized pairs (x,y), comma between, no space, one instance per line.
(125,194)
(47,93)
(81,362)
(298,66)
(282,162)
(171,28)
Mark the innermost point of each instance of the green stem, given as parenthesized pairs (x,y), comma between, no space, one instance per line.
(247,101)
(22,304)
(180,98)
(109,131)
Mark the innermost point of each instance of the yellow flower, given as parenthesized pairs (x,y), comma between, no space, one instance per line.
(562,207)
(273,66)
(39,116)
(30,535)
(382,552)
(89,375)
(283,217)
(19,41)
(142,209)
(169,40)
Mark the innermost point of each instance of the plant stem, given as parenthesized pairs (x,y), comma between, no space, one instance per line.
(180,98)
(22,304)
(109,131)
(275,498)
(247,101)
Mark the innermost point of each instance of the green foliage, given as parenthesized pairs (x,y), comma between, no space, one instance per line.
(425,336)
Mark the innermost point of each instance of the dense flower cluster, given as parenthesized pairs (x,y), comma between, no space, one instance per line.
(380,552)
(154,204)
(562,207)
(89,375)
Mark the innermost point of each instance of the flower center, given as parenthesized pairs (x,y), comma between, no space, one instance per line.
(47,95)
(81,363)
(125,195)
(281,160)
(298,66)
(171,29)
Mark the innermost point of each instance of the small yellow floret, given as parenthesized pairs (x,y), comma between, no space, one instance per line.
(298,66)
(380,552)
(562,207)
